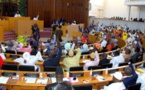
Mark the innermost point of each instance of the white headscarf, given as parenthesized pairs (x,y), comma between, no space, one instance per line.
(26,56)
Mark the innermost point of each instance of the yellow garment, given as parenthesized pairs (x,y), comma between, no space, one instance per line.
(72,61)
(124,35)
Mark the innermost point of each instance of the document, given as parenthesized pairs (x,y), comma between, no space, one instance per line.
(30,80)
(100,78)
(53,80)
(42,81)
(3,80)
(84,61)
(74,79)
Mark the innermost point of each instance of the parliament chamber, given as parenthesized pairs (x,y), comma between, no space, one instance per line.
(32,50)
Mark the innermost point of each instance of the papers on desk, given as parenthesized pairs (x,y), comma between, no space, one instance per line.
(141,70)
(65,79)
(3,80)
(30,80)
(42,81)
(53,80)
(73,80)
(100,78)
(84,61)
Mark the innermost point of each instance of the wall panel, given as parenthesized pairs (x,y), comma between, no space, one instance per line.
(49,10)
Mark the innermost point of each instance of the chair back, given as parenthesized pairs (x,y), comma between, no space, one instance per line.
(79,68)
(26,68)
(94,67)
(123,64)
(134,87)
(83,87)
(49,69)
(9,67)
(108,65)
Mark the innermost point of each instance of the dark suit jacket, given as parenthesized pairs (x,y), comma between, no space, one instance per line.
(132,79)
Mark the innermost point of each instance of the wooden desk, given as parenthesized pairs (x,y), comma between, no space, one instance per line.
(13,19)
(23,27)
(71,29)
(5,24)
(21,85)
(1,33)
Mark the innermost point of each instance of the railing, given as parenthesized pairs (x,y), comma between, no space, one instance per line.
(135,2)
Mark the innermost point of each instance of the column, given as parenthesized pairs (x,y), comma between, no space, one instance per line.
(138,12)
(129,11)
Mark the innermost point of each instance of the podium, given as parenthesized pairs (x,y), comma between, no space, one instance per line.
(1,33)
(5,24)
(71,29)
(23,27)
(13,19)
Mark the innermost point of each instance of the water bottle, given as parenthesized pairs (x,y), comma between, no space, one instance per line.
(17,74)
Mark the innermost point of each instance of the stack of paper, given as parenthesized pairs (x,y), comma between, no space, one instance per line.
(100,78)
(53,80)
(84,61)
(72,80)
(3,80)
(65,79)
(42,81)
(30,80)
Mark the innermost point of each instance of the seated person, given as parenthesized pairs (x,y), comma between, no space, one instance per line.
(117,83)
(94,60)
(125,35)
(34,50)
(103,43)
(110,46)
(118,58)
(72,60)
(85,48)
(64,85)
(65,40)
(84,39)
(127,55)
(141,79)
(135,56)
(2,49)
(54,56)
(69,46)
(17,14)
(24,49)
(104,59)
(10,46)
(21,39)
(97,46)
(1,62)
(27,59)
(130,76)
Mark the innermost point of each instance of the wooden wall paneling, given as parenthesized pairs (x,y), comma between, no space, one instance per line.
(55,9)
(43,8)
(58,9)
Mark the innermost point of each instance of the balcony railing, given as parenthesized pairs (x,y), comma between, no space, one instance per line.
(134,2)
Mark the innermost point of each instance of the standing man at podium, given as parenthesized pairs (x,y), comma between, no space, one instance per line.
(35,32)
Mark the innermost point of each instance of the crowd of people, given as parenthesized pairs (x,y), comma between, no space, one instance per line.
(33,49)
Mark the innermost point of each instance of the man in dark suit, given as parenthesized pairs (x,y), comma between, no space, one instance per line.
(54,56)
(59,33)
(135,56)
(131,76)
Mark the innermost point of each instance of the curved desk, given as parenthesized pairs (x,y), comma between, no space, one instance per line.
(20,84)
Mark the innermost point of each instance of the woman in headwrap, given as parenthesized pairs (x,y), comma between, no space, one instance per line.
(26,59)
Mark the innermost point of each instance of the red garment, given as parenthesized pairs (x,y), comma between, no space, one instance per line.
(1,62)
(84,40)
(109,47)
